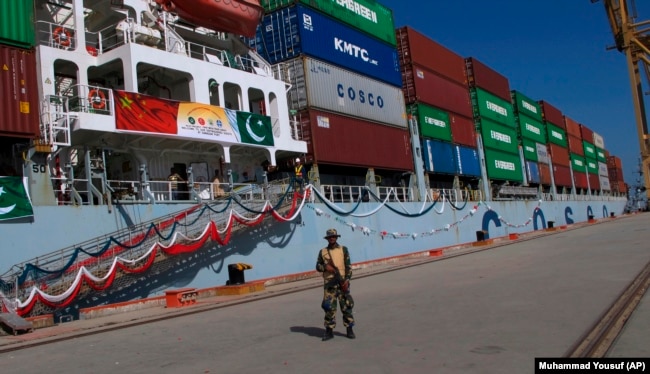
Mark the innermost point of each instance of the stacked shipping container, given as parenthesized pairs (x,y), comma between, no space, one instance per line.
(532,134)
(435,90)
(557,145)
(615,171)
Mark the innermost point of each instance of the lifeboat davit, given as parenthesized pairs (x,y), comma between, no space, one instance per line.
(235,16)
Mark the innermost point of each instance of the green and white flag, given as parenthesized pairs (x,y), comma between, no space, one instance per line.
(255,128)
(14,199)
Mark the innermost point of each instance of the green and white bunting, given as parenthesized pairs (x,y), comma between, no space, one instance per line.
(14,199)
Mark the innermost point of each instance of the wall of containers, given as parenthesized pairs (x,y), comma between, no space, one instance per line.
(346,82)
(19,104)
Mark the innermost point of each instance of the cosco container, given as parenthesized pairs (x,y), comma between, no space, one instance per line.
(292,31)
(562,176)
(463,130)
(531,129)
(416,48)
(575,145)
(594,181)
(530,150)
(481,75)
(556,135)
(499,137)
(590,150)
(439,157)
(578,163)
(367,16)
(321,85)
(572,127)
(433,122)
(580,179)
(544,174)
(423,85)
(17,23)
(503,166)
(347,141)
(602,169)
(599,141)
(526,106)
(19,103)
(467,160)
(587,134)
(492,107)
(532,172)
(559,155)
(604,184)
(552,114)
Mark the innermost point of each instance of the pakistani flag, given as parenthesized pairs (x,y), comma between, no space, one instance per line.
(255,128)
(14,200)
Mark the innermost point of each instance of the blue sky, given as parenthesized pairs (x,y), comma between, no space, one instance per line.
(553,50)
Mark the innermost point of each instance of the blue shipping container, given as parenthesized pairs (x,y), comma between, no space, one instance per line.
(289,32)
(532,172)
(468,162)
(439,157)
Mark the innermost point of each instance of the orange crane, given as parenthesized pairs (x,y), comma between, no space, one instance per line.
(632,38)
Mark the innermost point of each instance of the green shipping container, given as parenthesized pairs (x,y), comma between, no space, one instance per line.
(17,23)
(592,166)
(578,163)
(530,150)
(590,150)
(492,107)
(531,129)
(527,106)
(366,15)
(556,135)
(433,122)
(499,137)
(600,154)
(503,166)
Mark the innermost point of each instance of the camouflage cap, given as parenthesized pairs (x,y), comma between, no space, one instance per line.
(332,232)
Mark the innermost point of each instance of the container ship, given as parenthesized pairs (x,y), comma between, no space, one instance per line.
(149,145)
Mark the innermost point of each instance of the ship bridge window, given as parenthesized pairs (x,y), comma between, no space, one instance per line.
(232,95)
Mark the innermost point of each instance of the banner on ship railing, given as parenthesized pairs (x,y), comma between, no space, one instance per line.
(14,199)
(143,113)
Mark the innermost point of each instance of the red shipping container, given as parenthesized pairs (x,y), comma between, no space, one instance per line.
(572,127)
(480,75)
(544,174)
(552,114)
(580,179)
(559,155)
(562,176)
(587,134)
(19,103)
(342,140)
(614,162)
(422,85)
(416,48)
(607,154)
(462,130)
(618,186)
(615,174)
(594,181)
(575,145)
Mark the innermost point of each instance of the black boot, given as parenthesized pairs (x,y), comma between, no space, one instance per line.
(350,333)
(329,334)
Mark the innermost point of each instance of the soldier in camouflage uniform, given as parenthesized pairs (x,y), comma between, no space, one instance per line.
(334,262)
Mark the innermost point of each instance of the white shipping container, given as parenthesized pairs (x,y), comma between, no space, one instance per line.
(599,141)
(604,183)
(542,153)
(315,84)
(602,169)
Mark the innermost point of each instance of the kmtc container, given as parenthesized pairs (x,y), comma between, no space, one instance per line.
(467,160)
(552,114)
(17,23)
(321,85)
(556,135)
(526,106)
(503,166)
(463,130)
(423,85)
(499,137)
(480,75)
(439,157)
(367,16)
(531,129)
(562,176)
(532,172)
(575,145)
(416,48)
(590,150)
(492,107)
(433,122)
(347,141)
(19,102)
(572,127)
(289,32)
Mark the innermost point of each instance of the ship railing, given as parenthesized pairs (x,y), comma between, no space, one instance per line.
(55,35)
(89,99)
(454,195)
